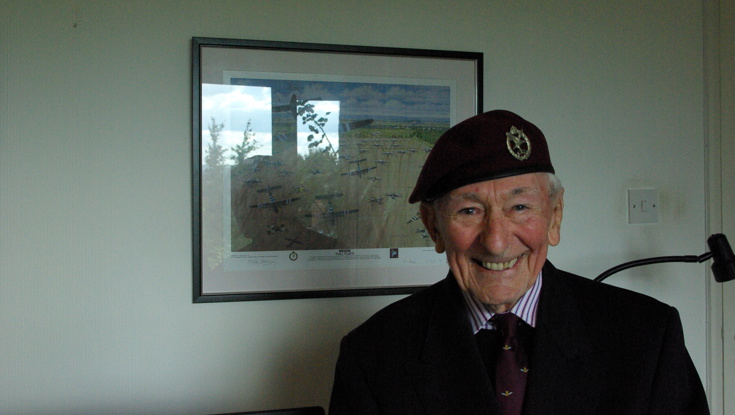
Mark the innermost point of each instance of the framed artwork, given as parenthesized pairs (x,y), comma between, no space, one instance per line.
(303,157)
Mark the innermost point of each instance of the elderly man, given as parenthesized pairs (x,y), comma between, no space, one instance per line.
(506,332)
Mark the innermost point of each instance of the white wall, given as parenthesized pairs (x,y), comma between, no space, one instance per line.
(95,243)
(724,200)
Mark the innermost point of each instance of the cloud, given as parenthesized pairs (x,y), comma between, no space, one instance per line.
(235,106)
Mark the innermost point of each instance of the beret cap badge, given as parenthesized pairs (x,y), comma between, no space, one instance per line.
(518,144)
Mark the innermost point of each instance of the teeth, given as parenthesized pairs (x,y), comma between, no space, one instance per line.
(500,266)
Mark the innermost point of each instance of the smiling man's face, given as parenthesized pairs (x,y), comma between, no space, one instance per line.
(496,234)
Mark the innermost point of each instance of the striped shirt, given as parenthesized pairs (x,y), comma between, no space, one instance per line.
(480,314)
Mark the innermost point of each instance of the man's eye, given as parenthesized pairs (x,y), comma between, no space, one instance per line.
(520,208)
(468,211)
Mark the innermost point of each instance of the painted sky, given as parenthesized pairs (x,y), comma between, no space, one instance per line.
(253,100)
(362,99)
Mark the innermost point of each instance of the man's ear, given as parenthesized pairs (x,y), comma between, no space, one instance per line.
(429,218)
(557,212)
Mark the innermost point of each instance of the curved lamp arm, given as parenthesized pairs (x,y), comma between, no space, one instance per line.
(723,265)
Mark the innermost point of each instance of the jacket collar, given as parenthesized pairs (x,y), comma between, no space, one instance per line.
(449,377)
(565,367)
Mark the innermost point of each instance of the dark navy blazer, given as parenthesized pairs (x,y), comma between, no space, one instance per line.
(597,349)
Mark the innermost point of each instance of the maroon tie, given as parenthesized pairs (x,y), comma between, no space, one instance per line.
(511,369)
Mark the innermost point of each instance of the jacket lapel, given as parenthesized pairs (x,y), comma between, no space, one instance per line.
(448,375)
(566,369)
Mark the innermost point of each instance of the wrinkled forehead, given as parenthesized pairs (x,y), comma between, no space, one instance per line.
(534,185)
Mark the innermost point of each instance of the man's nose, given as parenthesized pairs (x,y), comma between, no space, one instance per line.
(496,235)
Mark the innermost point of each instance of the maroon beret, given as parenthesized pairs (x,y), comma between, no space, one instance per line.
(488,146)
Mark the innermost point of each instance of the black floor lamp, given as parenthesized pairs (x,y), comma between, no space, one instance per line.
(723,260)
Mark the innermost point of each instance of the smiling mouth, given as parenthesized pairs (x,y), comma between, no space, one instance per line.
(499,266)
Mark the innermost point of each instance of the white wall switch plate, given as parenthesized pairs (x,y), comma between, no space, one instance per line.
(642,206)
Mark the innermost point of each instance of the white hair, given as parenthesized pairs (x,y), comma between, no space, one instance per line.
(554,185)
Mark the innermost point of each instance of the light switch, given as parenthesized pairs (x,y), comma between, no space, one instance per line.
(642,206)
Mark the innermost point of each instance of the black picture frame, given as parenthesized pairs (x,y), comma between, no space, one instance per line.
(290,142)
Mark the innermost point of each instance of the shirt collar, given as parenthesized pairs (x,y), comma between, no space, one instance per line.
(480,314)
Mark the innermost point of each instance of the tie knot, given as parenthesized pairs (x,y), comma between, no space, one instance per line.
(507,323)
